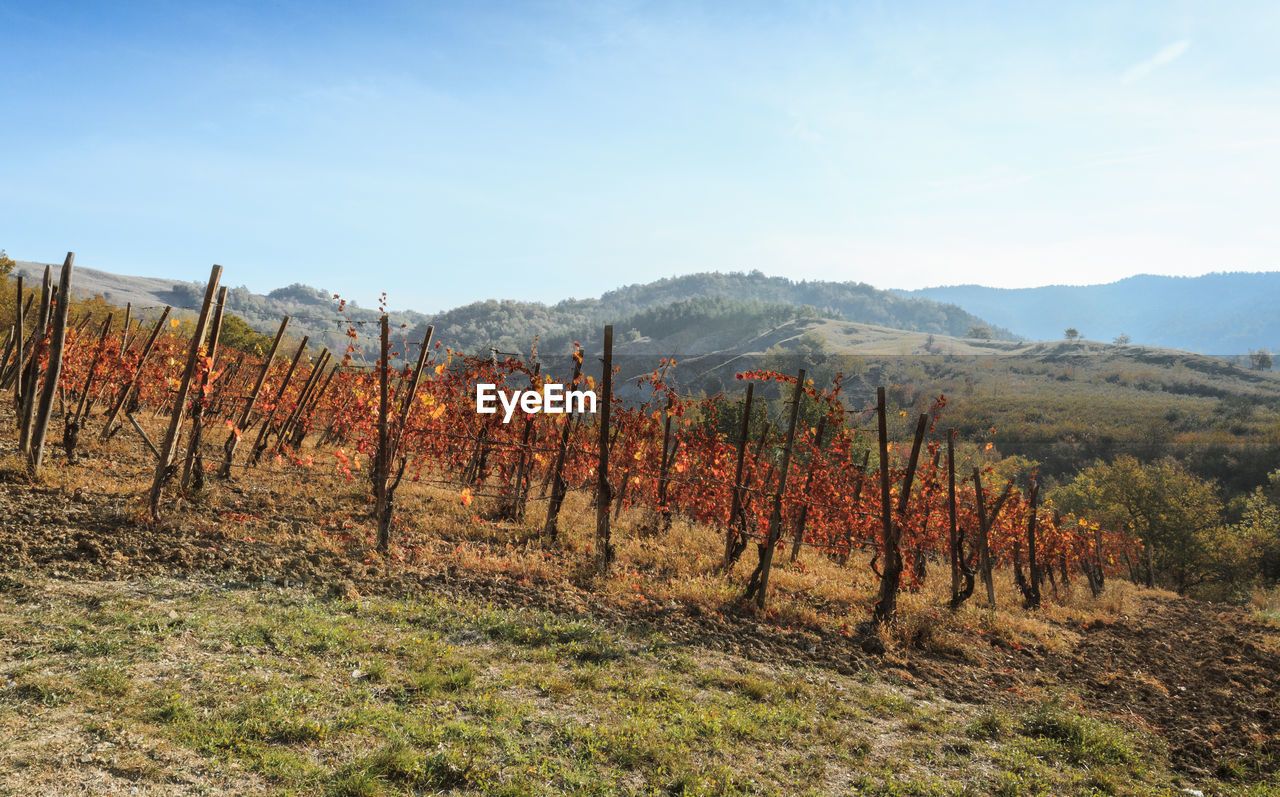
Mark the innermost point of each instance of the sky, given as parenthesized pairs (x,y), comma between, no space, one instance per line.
(452,152)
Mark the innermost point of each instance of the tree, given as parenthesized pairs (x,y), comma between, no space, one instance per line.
(1122,340)
(1174,513)
(7,313)
(238,335)
(1260,360)
(812,349)
(980,332)
(1249,550)
(1071,334)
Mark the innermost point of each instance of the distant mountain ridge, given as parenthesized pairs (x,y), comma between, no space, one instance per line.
(512,325)
(1219,313)
(707,306)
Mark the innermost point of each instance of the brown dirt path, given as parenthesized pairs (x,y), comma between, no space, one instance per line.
(1203,676)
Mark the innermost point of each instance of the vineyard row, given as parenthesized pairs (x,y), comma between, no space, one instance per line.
(709,459)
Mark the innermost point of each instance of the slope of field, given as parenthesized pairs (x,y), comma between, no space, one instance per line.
(1062,404)
(255,642)
(1224,313)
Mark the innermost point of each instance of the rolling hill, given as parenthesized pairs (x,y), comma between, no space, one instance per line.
(733,304)
(1060,404)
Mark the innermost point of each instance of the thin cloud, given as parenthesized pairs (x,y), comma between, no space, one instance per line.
(1167,55)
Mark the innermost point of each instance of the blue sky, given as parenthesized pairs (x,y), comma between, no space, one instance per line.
(450,152)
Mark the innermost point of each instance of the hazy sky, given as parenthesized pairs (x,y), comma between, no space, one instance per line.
(448,152)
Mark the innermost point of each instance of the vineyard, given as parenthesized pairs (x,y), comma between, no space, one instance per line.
(823,537)
(838,488)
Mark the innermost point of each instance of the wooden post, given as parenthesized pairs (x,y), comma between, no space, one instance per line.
(73,423)
(604,547)
(165,461)
(194,458)
(952,537)
(517,504)
(382,457)
(260,444)
(53,371)
(282,429)
(20,357)
(233,439)
(921,427)
(1033,592)
(24,348)
(758,585)
(736,535)
(741,544)
(1093,569)
(984,556)
(886,500)
(798,538)
(385,489)
(123,398)
(124,335)
(8,349)
(304,398)
(82,404)
(143,432)
(24,344)
(31,374)
(414,381)
(304,423)
(984,528)
(558,486)
(621,497)
(891,578)
(664,470)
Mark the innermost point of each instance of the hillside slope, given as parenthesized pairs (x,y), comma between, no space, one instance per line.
(1061,404)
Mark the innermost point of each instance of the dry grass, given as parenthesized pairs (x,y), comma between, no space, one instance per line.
(278,502)
(1266,605)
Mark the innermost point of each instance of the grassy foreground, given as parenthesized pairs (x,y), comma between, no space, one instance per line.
(163,686)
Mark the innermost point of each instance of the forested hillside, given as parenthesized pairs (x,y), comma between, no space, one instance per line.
(716,304)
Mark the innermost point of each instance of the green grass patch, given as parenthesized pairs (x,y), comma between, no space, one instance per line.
(421,696)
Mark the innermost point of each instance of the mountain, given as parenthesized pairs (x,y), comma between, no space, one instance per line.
(720,301)
(1222,313)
